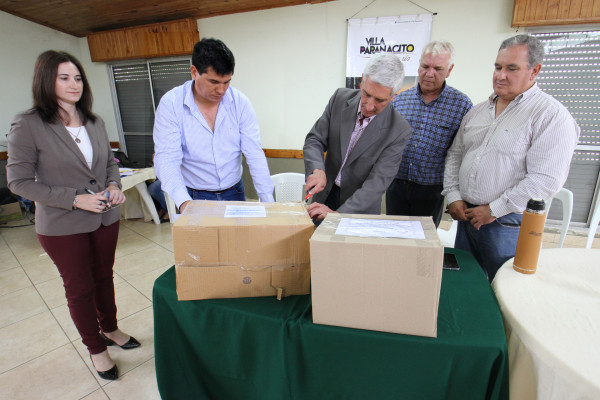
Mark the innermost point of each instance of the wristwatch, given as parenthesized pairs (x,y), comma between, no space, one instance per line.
(75,203)
(491,213)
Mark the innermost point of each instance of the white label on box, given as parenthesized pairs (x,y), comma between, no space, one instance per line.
(245,212)
(380,228)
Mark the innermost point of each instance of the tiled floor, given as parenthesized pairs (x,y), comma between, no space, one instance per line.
(41,354)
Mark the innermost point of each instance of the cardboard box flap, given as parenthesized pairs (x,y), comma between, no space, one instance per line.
(213,213)
(196,283)
(327,231)
(205,236)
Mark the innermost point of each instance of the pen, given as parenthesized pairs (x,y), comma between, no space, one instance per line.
(106,194)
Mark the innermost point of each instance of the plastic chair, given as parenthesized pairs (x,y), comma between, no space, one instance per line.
(566,198)
(448,236)
(173,214)
(593,225)
(289,186)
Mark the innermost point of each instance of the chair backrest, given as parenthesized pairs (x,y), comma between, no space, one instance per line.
(171,208)
(289,187)
(566,198)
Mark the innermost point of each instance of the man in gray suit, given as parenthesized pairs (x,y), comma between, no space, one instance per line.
(364,138)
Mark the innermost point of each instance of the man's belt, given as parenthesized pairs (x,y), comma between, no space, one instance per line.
(212,191)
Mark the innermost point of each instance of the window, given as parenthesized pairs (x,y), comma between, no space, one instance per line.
(138,88)
(571,73)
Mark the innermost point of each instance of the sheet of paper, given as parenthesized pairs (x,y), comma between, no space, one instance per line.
(380,228)
(245,212)
(127,171)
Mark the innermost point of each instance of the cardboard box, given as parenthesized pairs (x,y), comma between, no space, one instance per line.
(10,212)
(378,283)
(226,249)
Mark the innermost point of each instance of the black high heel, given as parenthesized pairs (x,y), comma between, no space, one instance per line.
(111,374)
(132,343)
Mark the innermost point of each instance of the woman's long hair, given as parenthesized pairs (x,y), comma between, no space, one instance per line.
(45,101)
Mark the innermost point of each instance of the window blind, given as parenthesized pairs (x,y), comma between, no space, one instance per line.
(571,74)
(139,86)
(167,75)
(132,83)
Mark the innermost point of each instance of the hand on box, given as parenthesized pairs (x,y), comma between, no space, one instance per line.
(318,211)
(183,205)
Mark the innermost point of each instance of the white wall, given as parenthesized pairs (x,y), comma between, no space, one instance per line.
(289,60)
(21,42)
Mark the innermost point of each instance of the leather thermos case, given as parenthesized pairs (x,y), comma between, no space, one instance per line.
(529,242)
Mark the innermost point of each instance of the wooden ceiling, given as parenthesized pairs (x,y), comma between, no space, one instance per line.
(82,17)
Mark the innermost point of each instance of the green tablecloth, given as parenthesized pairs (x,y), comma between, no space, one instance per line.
(261,348)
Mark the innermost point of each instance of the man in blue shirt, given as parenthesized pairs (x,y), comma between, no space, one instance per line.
(201,129)
(434,111)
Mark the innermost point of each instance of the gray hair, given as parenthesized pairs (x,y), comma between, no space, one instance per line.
(439,47)
(385,70)
(534,46)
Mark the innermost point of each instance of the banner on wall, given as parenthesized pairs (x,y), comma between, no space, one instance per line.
(403,35)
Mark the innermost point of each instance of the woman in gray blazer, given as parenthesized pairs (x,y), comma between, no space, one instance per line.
(60,157)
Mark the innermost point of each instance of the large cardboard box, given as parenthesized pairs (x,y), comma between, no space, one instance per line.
(226,249)
(377,282)
(10,212)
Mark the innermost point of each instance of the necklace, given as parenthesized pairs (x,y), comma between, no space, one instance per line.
(76,137)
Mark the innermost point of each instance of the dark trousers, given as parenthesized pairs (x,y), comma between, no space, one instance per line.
(234,193)
(85,263)
(409,198)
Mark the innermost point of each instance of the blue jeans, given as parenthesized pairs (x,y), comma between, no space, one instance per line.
(234,193)
(493,244)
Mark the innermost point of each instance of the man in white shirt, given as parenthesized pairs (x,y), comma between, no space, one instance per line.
(515,146)
(201,129)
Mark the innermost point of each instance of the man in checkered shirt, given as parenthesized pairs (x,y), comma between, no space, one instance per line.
(434,111)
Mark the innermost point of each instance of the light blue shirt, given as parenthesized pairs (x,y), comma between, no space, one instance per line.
(188,153)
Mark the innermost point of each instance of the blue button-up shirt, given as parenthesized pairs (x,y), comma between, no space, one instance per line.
(434,126)
(189,153)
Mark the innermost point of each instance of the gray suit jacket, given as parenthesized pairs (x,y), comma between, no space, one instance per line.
(372,164)
(46,166)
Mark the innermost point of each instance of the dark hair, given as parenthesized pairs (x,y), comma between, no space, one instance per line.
(213,53)
(44,87)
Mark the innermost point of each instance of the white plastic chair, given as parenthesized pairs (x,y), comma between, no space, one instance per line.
(448,236)
(566,198)
(593,225)
(173,214)
(289,187)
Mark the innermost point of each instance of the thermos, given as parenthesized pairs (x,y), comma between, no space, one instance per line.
(529,242)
